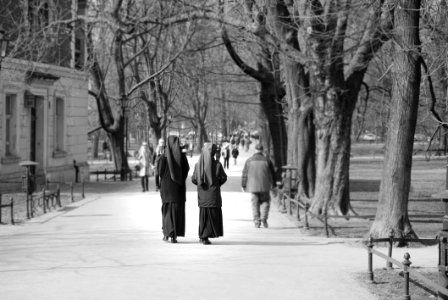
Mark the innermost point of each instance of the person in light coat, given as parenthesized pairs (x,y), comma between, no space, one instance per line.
(144,157)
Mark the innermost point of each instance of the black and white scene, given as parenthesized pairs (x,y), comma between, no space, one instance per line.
(223,149)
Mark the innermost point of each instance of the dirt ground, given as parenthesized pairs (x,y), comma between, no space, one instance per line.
(426,212)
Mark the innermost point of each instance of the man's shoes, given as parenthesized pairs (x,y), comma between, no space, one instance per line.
(206,241)
(265,224)
(173,240)
(165,238)
(257,224)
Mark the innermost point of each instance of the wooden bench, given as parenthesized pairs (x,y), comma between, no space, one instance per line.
(10,205)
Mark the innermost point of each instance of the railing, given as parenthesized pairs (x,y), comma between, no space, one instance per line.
(405,265)
(115,174)
(46,197)
(71,185)
(9,205)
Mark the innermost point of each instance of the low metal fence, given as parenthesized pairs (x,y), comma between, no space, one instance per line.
(47,197)
(404,265)
(116,174)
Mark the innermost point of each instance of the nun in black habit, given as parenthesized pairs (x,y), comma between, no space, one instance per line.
(173,171)
(209,175)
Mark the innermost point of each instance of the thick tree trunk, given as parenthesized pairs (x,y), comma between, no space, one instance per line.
(305,141)
(202,134)
(95,143)
(332,194)
(118,149)
(392,212)
(271,104)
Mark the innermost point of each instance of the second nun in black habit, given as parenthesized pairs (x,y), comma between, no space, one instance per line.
(173,171)
(209,175)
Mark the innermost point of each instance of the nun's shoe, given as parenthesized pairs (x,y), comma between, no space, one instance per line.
(265,224)
(173,240)
(206,241)
(165,238)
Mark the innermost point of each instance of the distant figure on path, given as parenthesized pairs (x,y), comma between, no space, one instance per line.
(258,178)
(209,175)
(144,157)
(226,154)
(160,149)
(235,153)
(173,171)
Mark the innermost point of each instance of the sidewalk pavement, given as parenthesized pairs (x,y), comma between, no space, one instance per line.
(109,246)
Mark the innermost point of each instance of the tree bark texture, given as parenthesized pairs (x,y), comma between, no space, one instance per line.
(392,212)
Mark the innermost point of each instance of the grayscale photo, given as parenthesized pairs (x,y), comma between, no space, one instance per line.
(223,149)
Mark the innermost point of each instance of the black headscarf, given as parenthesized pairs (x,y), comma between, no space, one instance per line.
(173,155)
(205,167)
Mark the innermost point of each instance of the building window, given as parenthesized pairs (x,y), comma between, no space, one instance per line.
(11,125)
(59,125)
(79,59)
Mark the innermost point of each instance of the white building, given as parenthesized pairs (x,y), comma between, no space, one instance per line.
(43,118)
(43,105)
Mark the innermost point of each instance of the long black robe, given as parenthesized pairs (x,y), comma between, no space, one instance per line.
(173,171)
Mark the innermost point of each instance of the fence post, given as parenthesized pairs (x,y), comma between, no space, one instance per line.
(44,201)
(105,174)
(443,255)
(406,264)
(370,259)
(307,225)
(326,223)
(12,210)
(1,207)
(82,191)
(391,241)
(59,196)
(97,175)
(71,191)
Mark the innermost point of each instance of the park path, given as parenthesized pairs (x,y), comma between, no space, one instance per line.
(109,246)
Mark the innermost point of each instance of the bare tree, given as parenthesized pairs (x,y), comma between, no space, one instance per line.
(267,73)
(122,23)
(392,212)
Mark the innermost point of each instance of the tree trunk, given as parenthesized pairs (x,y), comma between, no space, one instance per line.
(332,192)
(223,107)
(202,134)
(95,143)
(271,105)
(305,141)
(392,212)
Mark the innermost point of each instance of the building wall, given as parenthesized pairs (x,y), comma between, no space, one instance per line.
(51,83)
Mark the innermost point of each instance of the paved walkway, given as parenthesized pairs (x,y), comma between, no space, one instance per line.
(109,246)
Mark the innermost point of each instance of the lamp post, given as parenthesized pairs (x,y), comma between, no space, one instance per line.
(4,41)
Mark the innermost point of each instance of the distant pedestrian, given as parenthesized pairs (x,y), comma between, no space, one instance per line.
(218,152)
(247,142)
(160,149)
(173,171)
(226,154)
(235,153)
(258,178)
(209,175)
(144,157)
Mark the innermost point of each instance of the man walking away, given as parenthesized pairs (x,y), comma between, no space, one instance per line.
(258,178)
(235,153)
